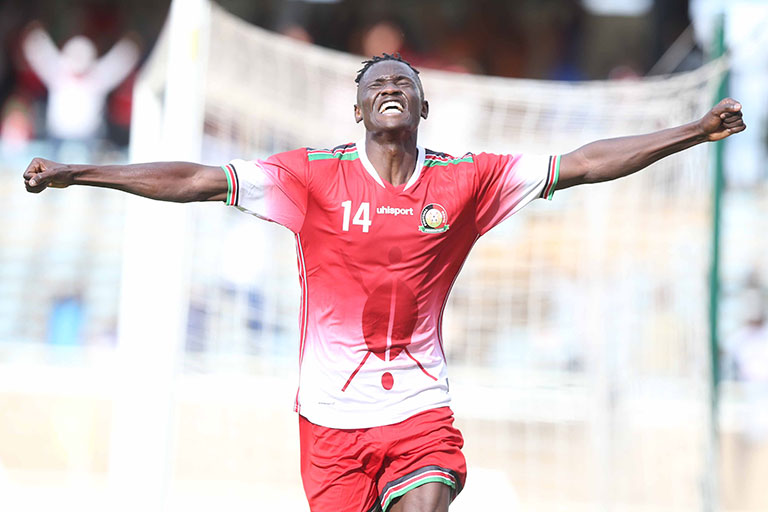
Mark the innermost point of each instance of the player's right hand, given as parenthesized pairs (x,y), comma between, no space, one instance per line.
(42,173)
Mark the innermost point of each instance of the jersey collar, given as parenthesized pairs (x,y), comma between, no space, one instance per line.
(368,166)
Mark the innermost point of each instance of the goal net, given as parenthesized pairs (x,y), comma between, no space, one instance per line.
(576,334)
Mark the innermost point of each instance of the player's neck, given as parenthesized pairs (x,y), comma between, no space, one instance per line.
(394,158)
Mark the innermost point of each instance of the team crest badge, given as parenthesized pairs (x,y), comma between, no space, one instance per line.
(434,219)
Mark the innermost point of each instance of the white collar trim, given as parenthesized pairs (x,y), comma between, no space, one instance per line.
(368,166)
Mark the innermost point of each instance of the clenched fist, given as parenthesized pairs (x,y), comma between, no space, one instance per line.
(42,173)
(723,120)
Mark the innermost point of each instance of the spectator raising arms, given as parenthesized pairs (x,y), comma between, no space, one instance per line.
(78,81)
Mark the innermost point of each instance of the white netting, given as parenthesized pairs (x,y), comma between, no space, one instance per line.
(576,334)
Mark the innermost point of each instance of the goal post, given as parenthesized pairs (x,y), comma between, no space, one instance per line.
(167,125)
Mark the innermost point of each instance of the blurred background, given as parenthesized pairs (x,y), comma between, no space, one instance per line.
(608,351)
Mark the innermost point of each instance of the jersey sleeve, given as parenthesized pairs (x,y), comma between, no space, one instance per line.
(506,183)
(274,189)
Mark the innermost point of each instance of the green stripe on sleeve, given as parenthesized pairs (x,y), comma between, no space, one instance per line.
(557,176)
(229,201)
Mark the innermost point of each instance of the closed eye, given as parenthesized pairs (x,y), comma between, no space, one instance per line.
(400,81)
(377,82)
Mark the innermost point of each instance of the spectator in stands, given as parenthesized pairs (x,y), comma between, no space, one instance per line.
(384,36)
(17,126)
(78,81)
(296,31)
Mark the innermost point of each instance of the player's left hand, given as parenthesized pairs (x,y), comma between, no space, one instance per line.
(723,120)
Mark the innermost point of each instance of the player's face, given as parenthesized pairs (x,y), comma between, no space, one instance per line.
(389,97)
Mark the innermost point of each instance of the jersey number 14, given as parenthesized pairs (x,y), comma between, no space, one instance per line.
(361,218)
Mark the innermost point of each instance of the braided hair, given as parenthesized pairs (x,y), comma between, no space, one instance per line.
(381,58)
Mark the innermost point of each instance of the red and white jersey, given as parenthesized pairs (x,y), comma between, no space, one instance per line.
(376,263)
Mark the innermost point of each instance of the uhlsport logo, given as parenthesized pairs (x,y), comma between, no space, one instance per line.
(434,219)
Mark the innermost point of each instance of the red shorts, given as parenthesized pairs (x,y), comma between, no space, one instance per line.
(360,470)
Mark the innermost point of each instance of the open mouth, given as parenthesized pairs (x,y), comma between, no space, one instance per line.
(391,107)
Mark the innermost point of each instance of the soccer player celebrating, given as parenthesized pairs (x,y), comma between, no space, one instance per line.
(382,228)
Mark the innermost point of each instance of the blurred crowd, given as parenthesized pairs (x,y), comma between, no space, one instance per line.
(67,69)
(555,39)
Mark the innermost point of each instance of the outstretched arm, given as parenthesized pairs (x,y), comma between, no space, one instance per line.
(609,159)
(180,182)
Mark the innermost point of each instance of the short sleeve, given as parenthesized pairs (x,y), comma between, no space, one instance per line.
(506,183)
(274,189)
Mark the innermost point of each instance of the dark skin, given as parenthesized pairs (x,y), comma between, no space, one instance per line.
(390,138)
(390,143)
